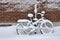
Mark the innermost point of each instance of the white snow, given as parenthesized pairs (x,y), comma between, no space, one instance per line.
(24,5)
(9,33)
(52,6)
(53,0)
(4,1)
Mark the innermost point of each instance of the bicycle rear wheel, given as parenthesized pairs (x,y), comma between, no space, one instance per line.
(47,27)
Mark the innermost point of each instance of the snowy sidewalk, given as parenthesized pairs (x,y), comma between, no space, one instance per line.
(9,33)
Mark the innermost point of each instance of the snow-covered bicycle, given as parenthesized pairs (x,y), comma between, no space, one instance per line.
(42,24)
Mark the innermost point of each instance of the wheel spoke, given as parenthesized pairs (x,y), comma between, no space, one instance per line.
(47,27)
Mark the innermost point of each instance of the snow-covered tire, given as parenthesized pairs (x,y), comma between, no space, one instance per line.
(47,27)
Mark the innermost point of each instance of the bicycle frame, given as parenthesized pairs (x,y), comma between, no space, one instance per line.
(40,21)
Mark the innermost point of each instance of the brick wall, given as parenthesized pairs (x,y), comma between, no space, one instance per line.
(51,14)
(14,16)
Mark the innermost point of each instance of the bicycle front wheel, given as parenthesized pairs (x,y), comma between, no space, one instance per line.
(46,27)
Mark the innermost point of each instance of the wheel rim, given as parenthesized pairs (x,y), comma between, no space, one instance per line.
(46,27)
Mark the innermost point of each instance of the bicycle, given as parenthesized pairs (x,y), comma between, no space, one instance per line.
(42,24)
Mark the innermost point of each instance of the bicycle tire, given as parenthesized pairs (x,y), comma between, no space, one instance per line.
(47,27)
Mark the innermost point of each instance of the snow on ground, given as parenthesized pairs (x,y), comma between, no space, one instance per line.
(9,33)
